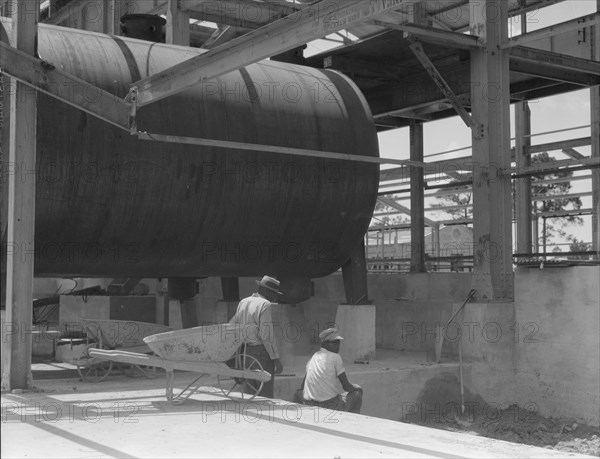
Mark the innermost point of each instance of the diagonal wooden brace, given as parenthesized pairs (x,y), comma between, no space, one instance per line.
(419,52)
(46,78)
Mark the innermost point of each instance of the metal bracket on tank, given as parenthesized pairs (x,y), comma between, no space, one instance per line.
(132,98)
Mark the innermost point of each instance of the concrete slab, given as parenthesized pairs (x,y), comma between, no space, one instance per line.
(132,418)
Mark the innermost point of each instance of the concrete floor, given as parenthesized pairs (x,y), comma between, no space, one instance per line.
(130,417)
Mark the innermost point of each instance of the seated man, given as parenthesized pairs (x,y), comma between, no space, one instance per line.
(323,371)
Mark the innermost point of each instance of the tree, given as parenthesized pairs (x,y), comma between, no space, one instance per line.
(553,226)
(461,198)
(388,220)
(579,246)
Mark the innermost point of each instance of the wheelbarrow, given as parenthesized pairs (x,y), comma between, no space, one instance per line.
(208,350)
(110,335)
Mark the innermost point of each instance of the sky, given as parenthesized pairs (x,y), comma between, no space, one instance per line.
(548,114)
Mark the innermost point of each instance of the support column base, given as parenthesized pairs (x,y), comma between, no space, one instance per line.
(356,323)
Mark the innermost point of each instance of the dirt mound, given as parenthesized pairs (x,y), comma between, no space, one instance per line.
(524,425)
(441,405)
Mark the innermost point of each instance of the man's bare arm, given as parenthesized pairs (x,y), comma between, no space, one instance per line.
(346,385)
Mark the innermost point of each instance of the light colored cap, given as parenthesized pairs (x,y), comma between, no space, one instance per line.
(331,334)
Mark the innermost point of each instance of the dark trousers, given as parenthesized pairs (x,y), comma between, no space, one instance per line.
(261,354)
(348,401)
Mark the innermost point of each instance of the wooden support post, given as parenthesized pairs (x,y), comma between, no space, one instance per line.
(16,374)
(595,122)
(490,98)
(114,10)
(231,288)
(178,24)
(523,185)
(523,160)
(417,15)
(417,201)
(354,272)
(231,294)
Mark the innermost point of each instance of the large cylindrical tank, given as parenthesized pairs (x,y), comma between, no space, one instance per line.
(109,204)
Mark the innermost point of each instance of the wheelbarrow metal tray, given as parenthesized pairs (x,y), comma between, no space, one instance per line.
(209,343)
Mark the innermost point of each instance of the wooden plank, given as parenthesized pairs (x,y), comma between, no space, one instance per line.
(315,21)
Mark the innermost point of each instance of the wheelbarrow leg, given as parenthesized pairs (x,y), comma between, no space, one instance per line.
(186,393)
(170,382)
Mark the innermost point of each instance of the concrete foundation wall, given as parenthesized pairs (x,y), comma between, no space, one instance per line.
(409,307)
(543,350)
(540,351)
(558,352)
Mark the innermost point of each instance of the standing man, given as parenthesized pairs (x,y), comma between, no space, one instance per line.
(255,312)
(324,372)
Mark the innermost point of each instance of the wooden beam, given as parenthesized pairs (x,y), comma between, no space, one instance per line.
(178,24)
(315,21)
(550,197)
(555,65)
(587,163)
(417,91)
(222,35)
(403,209)
(273,149)
(433,36)
(74,11)
(64,86)
(235,12)
(557,29)
(378,70)
(573,153)
(565,213)
(561,145)
(433,72)
(410,92)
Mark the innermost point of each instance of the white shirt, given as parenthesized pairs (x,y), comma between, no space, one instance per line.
(255,311)
(322,372)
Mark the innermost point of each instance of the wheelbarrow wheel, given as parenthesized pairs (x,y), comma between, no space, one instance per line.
(239,387)
(95,372)
(90,371)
